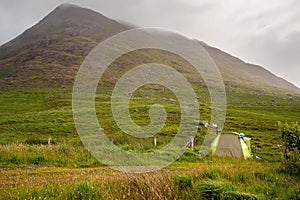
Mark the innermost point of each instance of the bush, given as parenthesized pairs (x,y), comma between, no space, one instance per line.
(290,135)
(291,139)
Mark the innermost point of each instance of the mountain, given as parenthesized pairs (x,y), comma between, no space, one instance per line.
(239,73)
(50,53)
(66,22)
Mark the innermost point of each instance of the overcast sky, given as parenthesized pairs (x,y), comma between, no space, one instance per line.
(264,32)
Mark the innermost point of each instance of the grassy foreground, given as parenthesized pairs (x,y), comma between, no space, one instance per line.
(31,169)
(217,178)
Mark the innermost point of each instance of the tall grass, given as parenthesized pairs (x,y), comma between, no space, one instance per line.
(61,155)
(207,182)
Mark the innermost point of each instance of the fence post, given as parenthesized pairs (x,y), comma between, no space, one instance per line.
(192,142)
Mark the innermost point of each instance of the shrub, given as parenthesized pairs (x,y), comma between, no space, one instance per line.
(291,139)
(290,135)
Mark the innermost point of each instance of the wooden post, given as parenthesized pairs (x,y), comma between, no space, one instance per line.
(155,141)
(192,142)
(49,141)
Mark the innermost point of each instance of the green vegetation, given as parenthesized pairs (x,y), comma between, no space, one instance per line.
(213,178)
(61,155)
(291,139)
(66,170)
(5,70)
(31,116)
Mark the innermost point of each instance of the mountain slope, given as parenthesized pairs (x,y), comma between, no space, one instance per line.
(65,22)
(237,72)
(50,53)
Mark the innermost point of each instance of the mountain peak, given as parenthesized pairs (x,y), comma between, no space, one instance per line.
(49,53)
(65,23)
(67,5)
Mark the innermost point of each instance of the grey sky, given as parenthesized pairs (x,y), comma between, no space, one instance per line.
(261,32)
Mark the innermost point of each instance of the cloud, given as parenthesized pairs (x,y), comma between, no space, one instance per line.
(270,36)
(281,56)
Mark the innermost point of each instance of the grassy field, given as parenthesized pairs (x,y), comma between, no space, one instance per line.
(31,169)
(218,178)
